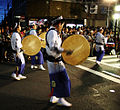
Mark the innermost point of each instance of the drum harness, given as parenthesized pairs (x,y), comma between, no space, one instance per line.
(49,57)
(14,50)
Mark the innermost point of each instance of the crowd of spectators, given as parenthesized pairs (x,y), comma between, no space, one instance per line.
(88,32)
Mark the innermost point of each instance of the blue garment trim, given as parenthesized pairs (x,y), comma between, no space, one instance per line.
(61,84)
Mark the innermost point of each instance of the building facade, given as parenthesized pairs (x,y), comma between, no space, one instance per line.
(94,11)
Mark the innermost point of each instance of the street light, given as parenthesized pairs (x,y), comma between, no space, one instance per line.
(116,17)
(109,2)
(117,8)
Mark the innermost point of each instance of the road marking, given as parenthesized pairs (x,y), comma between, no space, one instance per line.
(112,74)
(115,64)
(110,56)
(102,62)
(110,60)
(112,90)
(99,73)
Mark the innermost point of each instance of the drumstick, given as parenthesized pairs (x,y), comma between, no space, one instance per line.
(78,48)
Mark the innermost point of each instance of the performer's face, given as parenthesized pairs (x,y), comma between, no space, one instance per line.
(19,28)
(35,27)
(102,31)
(60,26)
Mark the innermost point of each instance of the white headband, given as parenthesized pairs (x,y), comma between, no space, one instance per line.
(57,19)
(16,24)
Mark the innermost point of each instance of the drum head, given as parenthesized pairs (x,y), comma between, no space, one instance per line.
(43,43)
(80,47)
(31,45)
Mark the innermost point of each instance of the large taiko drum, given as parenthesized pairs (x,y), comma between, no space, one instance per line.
(80,47)
(43,42)
(31,45)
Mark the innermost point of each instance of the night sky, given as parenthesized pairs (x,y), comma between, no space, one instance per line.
(3,8)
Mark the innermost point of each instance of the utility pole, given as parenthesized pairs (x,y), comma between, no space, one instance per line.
(108,15)
(109,3)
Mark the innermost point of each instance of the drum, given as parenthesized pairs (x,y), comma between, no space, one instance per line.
(31,45)
(43,42)
(80,47)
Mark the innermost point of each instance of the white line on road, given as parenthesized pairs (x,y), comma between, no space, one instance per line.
(106,64)
(110,56)
(99,73)
(110,60)
(112,74)
(114,64)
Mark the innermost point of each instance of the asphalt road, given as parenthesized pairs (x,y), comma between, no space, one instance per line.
(88,91)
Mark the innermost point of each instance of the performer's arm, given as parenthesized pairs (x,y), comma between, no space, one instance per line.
(54,46)
(33,32)
(18,43)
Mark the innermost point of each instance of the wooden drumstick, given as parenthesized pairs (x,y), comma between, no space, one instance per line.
(78,48)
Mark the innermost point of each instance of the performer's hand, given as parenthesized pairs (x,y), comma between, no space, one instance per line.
(42,39)
(69,52)
(22,51)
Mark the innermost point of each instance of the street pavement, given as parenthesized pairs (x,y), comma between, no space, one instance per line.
(92,88)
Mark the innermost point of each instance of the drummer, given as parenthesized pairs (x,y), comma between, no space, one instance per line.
(100,42)
(59,81)
(39,54)
(18,54)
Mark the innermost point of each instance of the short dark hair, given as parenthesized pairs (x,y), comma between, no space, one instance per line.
(57,20)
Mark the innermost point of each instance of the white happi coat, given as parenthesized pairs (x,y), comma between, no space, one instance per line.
(100,39)
(17,45)
(16,42)
(54,41)
(33,32)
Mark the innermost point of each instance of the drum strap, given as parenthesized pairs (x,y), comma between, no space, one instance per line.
(46,36)
(51,58)
(98,43)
